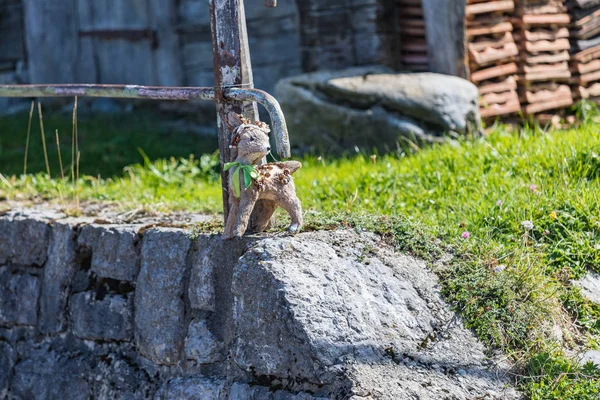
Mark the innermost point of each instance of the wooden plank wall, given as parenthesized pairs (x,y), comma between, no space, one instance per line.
(272,35)
(147,42)
(12,49)
(337,34)
(104,41)
(12,45)
(50,31)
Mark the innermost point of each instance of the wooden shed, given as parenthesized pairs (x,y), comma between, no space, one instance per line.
(167,42)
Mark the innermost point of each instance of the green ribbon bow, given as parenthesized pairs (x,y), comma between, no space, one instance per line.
(249,174)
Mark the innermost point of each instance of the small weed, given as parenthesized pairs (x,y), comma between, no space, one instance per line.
(551,376)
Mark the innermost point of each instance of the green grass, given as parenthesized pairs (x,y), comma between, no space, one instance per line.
(529,203)
(107,143)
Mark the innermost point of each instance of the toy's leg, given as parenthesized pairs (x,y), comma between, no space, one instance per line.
(294,208)
(247,201)
(233,212)
(260,209)
(260,220)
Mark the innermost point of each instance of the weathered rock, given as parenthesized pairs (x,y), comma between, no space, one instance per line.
(242,391)
(106,319)
(201,290)
(7,360)
(445,101)
(5,238)
(372,107)
(341,300)
(201,345)
(591,356)
(117,377)
(19,294)
(334,306)
(58,273)
(15,334)
(190,389)
(590,286)
(114,253)
(159,306)
(47,375)
(23,241)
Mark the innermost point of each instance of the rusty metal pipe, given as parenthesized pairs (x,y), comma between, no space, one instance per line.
(272,106)
(161,93)
(113,91)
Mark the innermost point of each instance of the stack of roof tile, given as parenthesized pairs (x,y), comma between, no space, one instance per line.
(585,48)
(413,46)
(543,37)
(492,52)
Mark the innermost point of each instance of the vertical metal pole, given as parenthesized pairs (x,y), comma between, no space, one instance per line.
(232,67)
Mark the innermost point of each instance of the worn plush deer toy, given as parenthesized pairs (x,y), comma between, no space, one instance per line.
(249,182)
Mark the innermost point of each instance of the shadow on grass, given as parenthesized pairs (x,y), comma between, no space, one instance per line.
(107,142)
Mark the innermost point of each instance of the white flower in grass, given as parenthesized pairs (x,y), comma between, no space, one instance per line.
(528,225)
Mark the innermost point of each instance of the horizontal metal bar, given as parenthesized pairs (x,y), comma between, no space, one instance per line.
(113,91)
(161,93)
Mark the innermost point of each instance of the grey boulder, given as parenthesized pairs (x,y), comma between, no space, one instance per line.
(341,311)
(590,286)
(373,107)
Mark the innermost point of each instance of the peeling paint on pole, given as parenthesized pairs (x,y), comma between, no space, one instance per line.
(231,57)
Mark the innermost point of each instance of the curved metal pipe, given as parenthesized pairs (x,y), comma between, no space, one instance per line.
(272,106)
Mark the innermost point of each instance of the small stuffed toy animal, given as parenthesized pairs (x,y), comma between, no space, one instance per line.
(248,181)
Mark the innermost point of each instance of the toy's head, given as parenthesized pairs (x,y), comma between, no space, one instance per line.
(250,138)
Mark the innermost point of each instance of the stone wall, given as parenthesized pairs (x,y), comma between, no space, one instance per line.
(94,310)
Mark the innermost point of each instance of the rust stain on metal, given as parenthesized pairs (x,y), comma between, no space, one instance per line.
(272,106)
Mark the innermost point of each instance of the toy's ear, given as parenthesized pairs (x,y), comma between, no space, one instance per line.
(234,120)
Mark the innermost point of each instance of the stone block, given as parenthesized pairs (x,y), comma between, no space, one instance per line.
(19,294)
(48,375)
(201,290)
(159,306)
(5,242)
(120,377)
(243,391)
(8,356)
(58,274)
(106,319)
(201,345)
(114,253)
(23,241)
(190,389)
